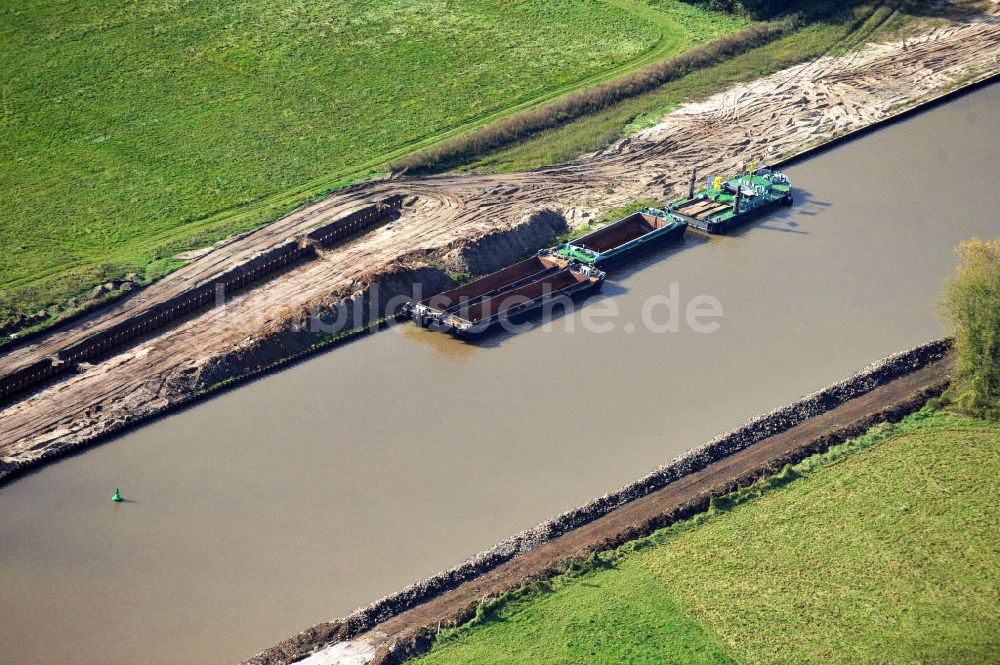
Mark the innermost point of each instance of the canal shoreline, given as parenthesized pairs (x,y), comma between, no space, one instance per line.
(223,346)
(267,454)
(290,346)
(400,625)
(918,105)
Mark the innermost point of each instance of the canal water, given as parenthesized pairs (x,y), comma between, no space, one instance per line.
(299,497)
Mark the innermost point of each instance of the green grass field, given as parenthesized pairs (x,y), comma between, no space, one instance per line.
(130,132)
(883,550)
(837,28)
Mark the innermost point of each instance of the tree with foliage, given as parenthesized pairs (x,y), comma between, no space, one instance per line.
(971,305)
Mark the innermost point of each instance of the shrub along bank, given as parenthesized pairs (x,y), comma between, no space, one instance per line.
(971,304)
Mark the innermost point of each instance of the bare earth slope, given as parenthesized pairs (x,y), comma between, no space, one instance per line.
(777,116)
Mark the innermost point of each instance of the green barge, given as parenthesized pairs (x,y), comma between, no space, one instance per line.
(724,204)
(625,238)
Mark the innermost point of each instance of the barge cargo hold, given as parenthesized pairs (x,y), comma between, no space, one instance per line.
(724,204)
(628,236)
(476,307)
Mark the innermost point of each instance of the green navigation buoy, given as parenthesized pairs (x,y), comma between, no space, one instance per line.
(117,496)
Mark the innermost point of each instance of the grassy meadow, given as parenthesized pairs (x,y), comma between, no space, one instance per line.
(882,550)
(130,132)
(825,28)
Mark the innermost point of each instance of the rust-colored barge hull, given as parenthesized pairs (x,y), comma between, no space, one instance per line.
(476,307)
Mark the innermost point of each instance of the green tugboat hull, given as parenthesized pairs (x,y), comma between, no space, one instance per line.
(722,226)
(725,204)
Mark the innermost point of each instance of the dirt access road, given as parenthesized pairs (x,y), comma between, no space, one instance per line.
(770,118)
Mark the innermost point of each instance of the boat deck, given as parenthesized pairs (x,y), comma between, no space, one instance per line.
(507,300)
(634,226)
(702,209)
(510,277)
(522,287)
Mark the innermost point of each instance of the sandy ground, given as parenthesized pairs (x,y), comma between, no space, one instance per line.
(769,118)
(359,651)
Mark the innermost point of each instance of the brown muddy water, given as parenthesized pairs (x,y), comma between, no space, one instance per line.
(318,489)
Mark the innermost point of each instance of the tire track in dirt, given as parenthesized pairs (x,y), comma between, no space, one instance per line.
(769,118)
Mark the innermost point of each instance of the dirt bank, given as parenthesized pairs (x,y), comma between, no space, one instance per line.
(441,224)
(398,625)
(290,333)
